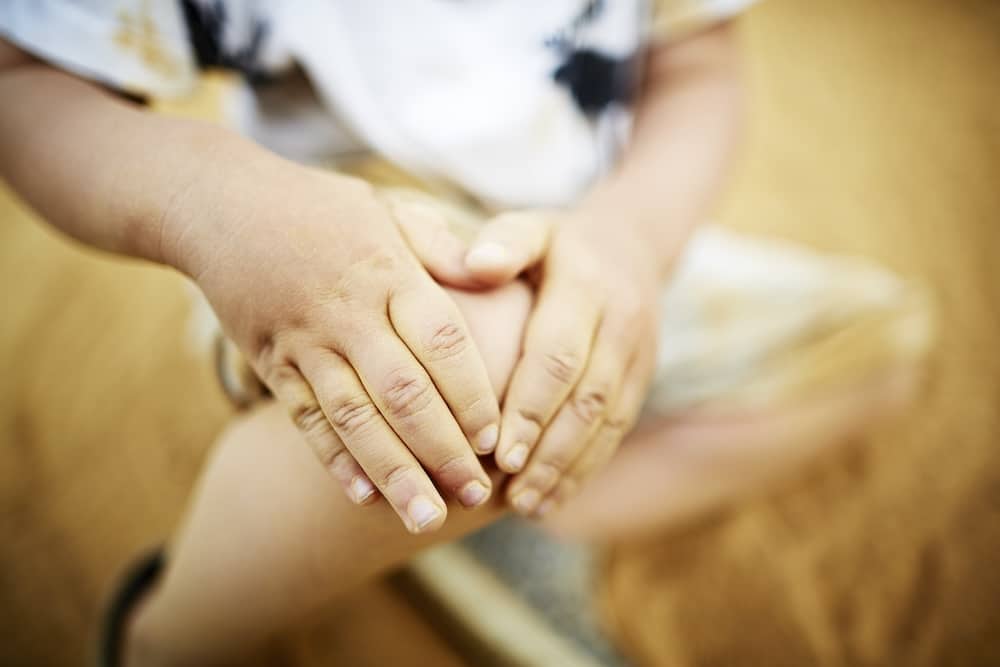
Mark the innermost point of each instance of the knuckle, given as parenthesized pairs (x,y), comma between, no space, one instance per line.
(332,297)
(561,459)
(351,415)
(589,405)
(394,476)
(614,429)
(448,340)
(451,465)
(378,259)
(281,375)
(615,426)
(386,260)
(406,394)
(531,415)
(331,456)
(309,419)
(561,365)
(548,473)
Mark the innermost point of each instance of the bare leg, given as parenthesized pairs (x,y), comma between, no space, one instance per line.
(669,471)
(269,537)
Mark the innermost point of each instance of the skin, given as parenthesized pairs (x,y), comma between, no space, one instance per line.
(361,342)
(598,269)
(347,329)
(216,605)
(363,347)
(313,543)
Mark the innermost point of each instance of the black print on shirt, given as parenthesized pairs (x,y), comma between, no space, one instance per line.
(594,79)
(206,22)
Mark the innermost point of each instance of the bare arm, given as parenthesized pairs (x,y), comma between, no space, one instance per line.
(309,542)
(591,340)
(93,165)
(687,128)
(307,271)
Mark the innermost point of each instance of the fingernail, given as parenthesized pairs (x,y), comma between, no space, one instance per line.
(422,512)
(473,494)
(361,489)
(526,501)
(487,255)
(486,440)
(547,505)
(516,457)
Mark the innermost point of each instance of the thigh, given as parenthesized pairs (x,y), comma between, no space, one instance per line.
(675,469)
(269,536)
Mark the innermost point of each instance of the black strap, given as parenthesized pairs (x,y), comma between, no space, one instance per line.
(139,578)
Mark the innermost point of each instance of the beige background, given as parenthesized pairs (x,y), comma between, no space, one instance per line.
(875,129)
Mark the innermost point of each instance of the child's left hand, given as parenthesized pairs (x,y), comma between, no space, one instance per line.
(589,348)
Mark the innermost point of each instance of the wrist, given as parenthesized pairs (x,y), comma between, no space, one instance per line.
(179,207)
(230,188)
(630,241)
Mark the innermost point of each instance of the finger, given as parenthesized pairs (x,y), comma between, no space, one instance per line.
(405,395)
(596,454)
(292,391)
(440,251)
(509,244)
(620,420)
(577,420)
(556,348)
(431,325)
(390,466)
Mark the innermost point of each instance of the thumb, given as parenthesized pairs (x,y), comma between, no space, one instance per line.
(425,229)
(508,245)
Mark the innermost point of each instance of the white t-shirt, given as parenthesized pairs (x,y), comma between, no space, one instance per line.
(518,102)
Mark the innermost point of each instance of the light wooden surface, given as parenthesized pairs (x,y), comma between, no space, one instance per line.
(875,130)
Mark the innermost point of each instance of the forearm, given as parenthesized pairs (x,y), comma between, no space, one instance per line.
(93,166)
(687,126)
(103,170)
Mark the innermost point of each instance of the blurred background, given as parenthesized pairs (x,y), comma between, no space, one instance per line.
(874,130)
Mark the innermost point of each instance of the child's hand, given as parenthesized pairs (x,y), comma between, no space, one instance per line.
(313,281)
(588,352)
(589,348)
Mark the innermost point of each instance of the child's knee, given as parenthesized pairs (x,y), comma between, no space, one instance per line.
(496,320)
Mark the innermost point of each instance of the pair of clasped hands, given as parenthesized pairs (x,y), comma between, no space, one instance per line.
(337,300)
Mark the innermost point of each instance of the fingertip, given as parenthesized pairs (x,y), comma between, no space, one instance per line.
(424,515)
(474,494)
(485,442)
(361,490)
(513,459)
(526,501)
(487,256)
(491,264)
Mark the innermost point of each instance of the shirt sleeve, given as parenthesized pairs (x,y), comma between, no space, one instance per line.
(676,19)
(135,46)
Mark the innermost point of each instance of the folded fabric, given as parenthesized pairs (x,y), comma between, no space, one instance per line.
(749,322)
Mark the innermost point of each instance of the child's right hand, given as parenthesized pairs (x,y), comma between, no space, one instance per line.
(309,275)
